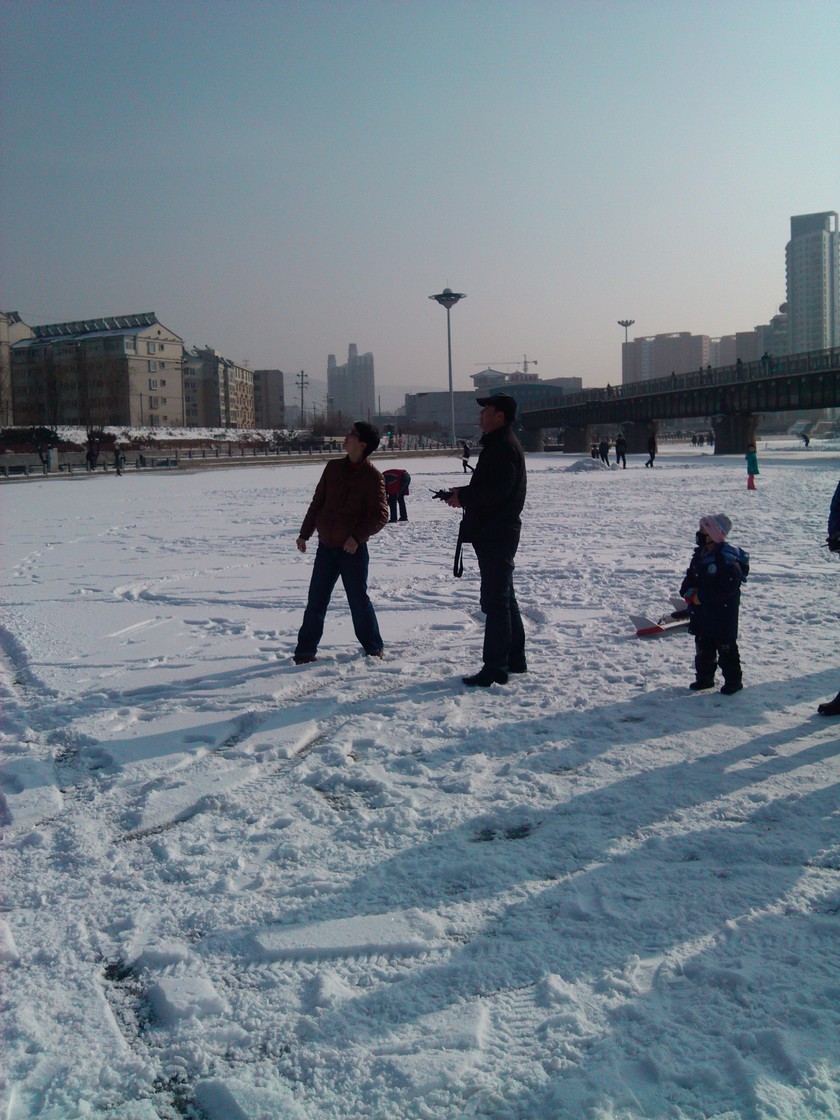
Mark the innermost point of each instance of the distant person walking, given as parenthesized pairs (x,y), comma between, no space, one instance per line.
(652,449)
(465,457)
(397,482)
(348,508)
(621,450)
(604,451)
(752,465)
(119,460)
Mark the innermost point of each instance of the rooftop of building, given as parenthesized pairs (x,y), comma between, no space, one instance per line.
(113,324)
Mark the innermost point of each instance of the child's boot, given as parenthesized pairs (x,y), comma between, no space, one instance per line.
(731,687)
(832,708)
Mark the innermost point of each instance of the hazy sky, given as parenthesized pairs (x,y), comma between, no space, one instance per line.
(279,179)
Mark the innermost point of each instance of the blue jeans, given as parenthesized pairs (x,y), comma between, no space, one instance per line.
(504,635)
(330,563)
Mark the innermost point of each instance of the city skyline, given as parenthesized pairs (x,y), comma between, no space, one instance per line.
(275,181)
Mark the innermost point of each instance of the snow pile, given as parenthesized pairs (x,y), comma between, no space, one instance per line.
(236,888)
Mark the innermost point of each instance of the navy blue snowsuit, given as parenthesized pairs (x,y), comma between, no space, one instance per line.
(712,583)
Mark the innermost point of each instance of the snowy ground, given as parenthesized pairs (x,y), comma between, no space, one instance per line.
(235,888)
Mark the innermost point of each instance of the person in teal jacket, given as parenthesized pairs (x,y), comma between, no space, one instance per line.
(752,466)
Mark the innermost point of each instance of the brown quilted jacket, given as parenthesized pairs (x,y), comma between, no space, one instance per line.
(349,501)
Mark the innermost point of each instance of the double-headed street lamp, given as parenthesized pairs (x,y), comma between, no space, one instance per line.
(447,298)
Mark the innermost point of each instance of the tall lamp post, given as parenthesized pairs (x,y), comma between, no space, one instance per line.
(627,324)
(447,298)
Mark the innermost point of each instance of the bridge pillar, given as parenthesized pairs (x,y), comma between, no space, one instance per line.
(532,439)
(576,440)
(734,433)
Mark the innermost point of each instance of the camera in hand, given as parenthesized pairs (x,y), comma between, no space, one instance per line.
(442,495)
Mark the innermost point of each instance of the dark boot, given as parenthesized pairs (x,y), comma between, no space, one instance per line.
(731,687)
(729,660)
(832,708)
(705,664)
(485,677)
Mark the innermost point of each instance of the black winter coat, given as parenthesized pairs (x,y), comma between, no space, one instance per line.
(715,580)
(495,496)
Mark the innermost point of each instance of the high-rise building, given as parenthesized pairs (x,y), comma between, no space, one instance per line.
(812,259)
(351,392)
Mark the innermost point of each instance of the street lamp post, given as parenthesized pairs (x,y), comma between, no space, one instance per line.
(627,324)
(447,298)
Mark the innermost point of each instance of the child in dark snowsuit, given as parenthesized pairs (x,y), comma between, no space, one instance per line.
(712,587)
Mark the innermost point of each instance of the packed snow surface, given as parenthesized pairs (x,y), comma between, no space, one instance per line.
(236,889)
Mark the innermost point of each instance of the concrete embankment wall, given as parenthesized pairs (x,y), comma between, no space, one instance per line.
(71,464)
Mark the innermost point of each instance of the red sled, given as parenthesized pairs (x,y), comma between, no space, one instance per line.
(676,620)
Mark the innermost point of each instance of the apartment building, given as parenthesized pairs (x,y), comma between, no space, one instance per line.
(12,330)
(655,356)
(120,370)
(218,392)
(269,399)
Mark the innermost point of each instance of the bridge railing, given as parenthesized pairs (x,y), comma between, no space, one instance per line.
(782,366)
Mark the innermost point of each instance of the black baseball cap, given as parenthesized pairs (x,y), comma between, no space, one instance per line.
(502,403)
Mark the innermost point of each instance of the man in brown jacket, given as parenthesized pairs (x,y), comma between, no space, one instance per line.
(348,508)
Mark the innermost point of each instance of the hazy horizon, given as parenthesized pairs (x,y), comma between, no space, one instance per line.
(278,181)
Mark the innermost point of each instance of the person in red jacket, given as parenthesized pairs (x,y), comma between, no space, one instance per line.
(348,508)
(397,482)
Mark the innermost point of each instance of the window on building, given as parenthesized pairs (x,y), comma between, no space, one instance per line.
(151,347)
(153,383)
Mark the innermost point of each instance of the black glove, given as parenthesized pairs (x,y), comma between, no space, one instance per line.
(833,542)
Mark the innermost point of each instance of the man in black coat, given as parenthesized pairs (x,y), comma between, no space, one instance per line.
(492,504)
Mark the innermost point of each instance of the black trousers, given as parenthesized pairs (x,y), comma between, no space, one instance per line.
(709,653)
(504,635)
(393,501)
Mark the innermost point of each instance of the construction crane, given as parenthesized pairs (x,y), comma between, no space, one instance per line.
(524,363)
